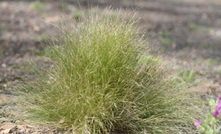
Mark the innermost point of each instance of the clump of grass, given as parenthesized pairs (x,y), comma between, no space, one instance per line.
(103,82)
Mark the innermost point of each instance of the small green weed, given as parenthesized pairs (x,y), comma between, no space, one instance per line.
(165,34)
(206,46)
(63,6)
(77,15)
(37,5)
(188,75)
(166,41)
(166,38)
(102,81)
(43,38)
(192,26)
(218,70)
(127,2)
(212,61)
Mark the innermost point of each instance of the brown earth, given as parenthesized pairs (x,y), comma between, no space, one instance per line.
(185,34)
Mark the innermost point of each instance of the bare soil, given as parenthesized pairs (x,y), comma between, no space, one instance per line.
(185,34)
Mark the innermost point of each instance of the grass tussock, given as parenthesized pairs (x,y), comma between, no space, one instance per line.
(102,82)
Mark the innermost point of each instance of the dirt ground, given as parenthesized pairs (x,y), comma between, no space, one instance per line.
(186,34)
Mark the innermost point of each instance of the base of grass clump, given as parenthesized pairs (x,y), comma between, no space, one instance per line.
(101,82)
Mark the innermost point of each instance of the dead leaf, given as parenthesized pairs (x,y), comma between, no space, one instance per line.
(52,19)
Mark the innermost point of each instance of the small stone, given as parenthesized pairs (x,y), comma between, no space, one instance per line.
(7,127)
(6,131)
(4,65)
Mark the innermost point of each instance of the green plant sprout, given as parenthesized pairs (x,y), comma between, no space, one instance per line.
(210,124)
(37,5)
